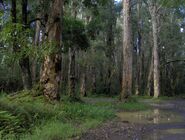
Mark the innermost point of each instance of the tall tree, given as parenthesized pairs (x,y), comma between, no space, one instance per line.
(24,61)
(127,51)
(110,43)
(138,50)
(14,21)
(51,72)
(72,59)
(154,12)
(36,41)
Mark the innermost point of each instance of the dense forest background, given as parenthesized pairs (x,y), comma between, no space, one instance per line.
(91,48)
(58,49)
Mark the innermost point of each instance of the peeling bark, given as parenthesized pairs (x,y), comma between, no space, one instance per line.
(51,71)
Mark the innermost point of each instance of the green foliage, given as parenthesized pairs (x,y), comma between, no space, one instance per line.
(10,124)
(52,130)
(47,121)
(17,44)
(74,34)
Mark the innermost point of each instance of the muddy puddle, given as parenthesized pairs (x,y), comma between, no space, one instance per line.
(155,116)
(167,134)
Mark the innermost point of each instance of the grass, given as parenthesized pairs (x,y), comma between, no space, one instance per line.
(41,120)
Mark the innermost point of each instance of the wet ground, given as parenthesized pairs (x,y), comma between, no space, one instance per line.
(165,121)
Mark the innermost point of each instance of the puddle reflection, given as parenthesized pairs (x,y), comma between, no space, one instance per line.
(155,116)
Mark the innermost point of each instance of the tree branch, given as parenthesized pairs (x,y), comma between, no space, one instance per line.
(37,19)
(173,61)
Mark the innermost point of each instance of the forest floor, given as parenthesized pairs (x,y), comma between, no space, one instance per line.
(24,116)
(165,120)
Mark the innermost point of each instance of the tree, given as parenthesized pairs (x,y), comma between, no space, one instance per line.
(127,51)
(111,23)
(36,42)
(154,12)
(50,77)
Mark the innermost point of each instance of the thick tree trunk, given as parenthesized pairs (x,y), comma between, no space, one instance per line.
(24,62)
(156,72)
(72,76)
(51,72)
(127,52)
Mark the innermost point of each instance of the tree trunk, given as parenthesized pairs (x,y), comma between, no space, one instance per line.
(83,89)
(72,76)
(110,45)
(93,80)
(14,21)
(51,73)
(150,79)
(36,43)
(156,72)
(24,62)
(138,52)
(72,61)
(127,52)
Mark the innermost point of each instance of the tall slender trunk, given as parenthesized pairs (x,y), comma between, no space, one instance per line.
(127,52)
(156,71)
(24,62)
(36,43)
(72,66)
(93,80)
(110,45)
(150,79)
(72,76)
(138,52)
(51,72)
(14,21)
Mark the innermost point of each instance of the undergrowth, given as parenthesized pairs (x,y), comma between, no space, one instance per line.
(33,118)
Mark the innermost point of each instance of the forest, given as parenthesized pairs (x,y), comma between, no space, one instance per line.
(92,69)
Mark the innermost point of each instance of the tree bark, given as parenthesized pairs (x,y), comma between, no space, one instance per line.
(110,45)
(156,71)
(93,80)
(14,21)
(83,89)
(150,79)
(36,43)
(72,76)
(51,72)
(138,52)
(24,62)
(127,52)
(72,61)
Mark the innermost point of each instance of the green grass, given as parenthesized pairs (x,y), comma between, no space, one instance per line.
(45,121)
(41,120)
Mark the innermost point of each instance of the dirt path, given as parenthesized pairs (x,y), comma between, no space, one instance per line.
(165,121)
